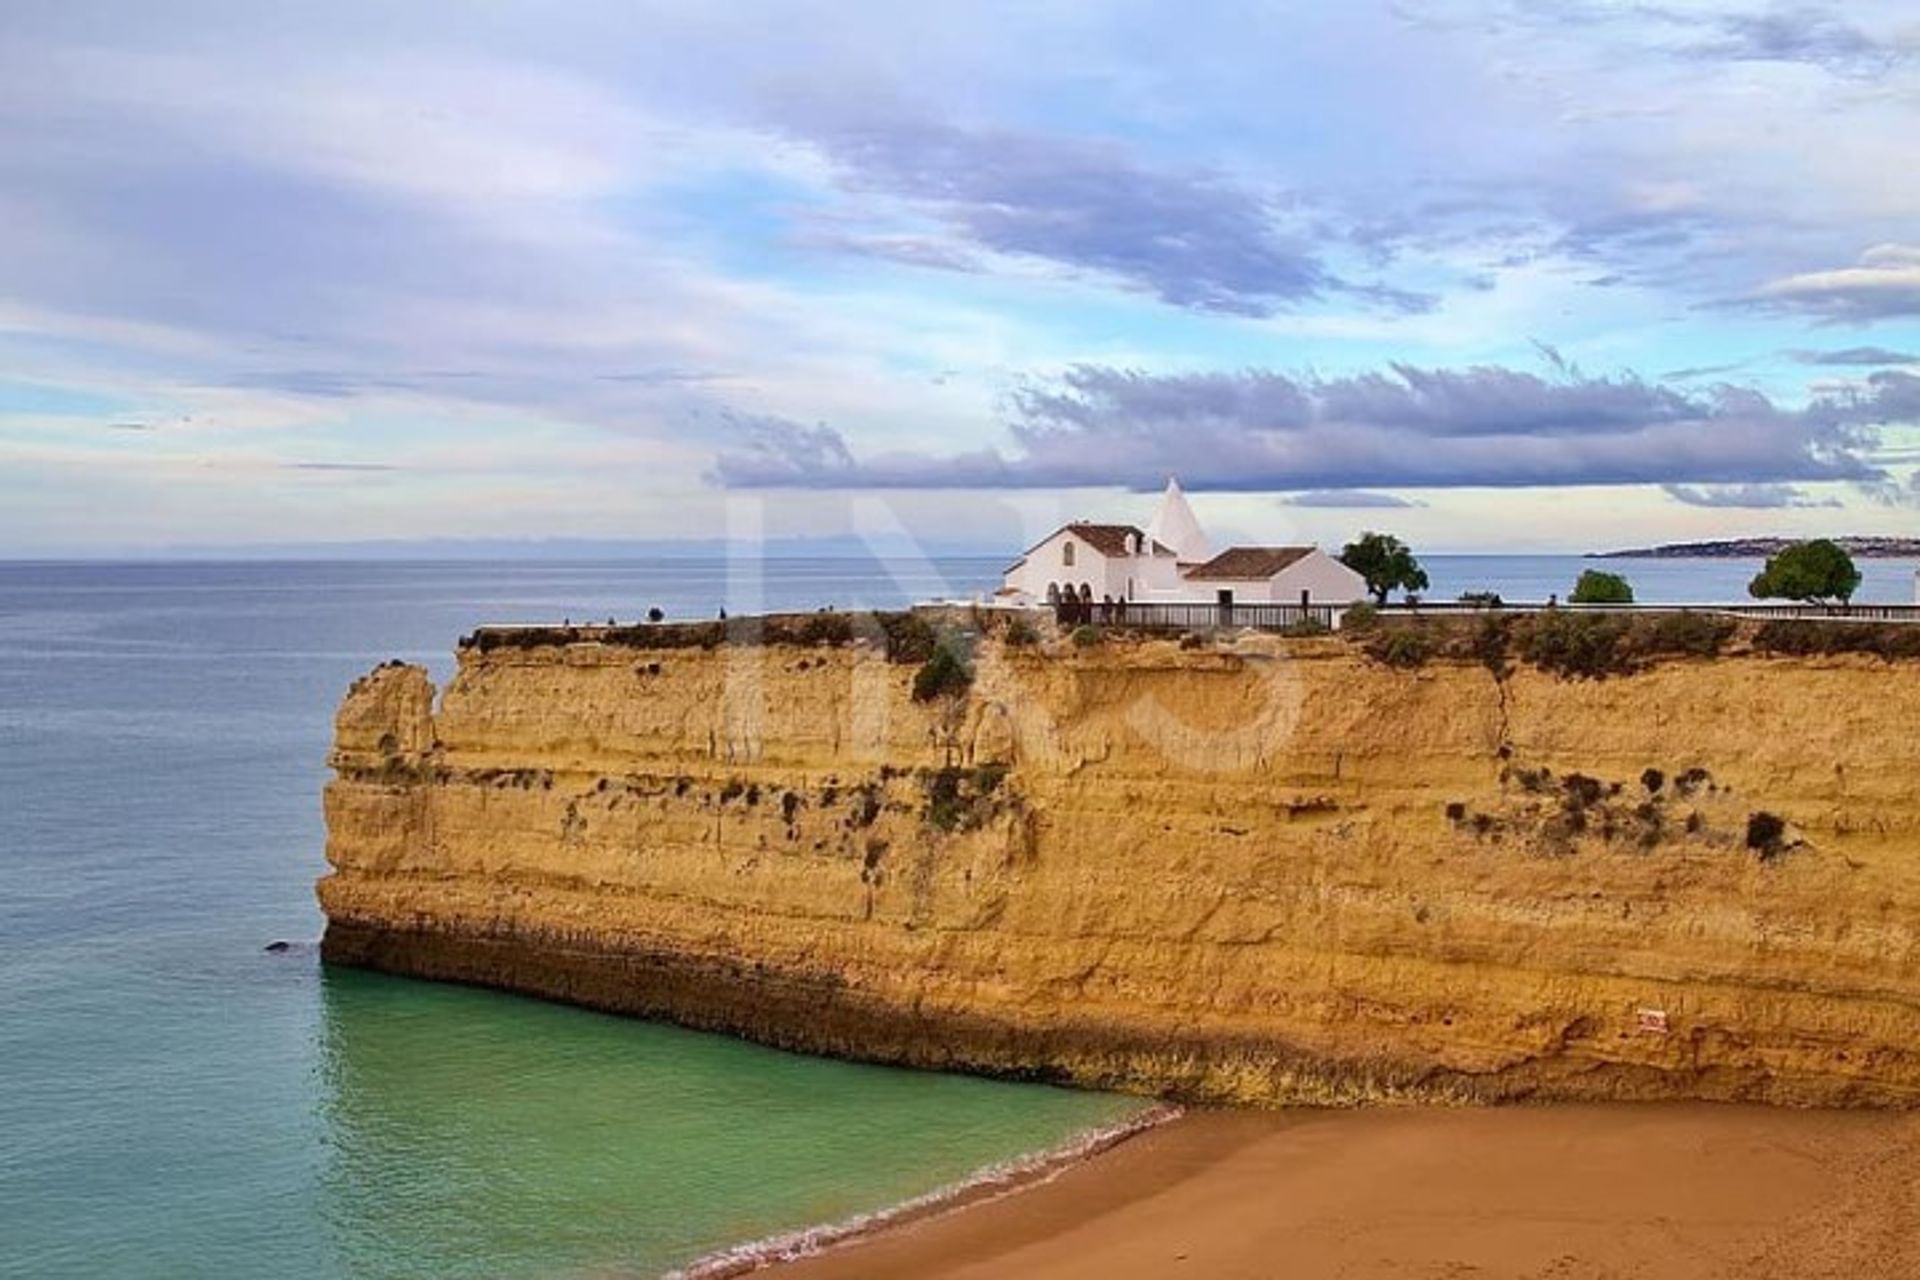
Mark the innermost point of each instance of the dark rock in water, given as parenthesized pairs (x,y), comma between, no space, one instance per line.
(278,947)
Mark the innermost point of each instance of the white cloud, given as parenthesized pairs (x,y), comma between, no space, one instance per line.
(1884,285)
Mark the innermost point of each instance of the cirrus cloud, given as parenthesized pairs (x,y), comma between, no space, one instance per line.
(1856,356)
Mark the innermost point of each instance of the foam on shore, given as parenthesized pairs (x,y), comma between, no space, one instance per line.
(984,1186)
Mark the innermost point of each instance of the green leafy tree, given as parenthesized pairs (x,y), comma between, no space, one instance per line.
(1386,563)
(1596,587)
(1814,571)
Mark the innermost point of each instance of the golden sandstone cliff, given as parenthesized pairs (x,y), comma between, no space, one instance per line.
(1261,870)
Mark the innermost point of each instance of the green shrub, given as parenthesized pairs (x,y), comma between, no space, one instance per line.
(1698,635)
(909,637)
(1535,781)
(867,804)
(961,799)
(1766,836)
(1578,645)
(944,806)
(944,674)
(1491,640)
(1582,791)
(1360,617)
(826,629)
(1086,637)
(1305,627)
(1020,634)
(673,635)
(1597,587)
(1403,647)
(1891,641)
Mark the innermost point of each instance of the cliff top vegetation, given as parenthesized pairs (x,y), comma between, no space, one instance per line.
(1569,643)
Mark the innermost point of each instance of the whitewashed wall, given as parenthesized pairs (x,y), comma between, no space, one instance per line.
(1325,578)
(1047,563)
(1158,577)
(1329,581)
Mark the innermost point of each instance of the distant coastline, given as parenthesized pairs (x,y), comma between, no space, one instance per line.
(1750,548)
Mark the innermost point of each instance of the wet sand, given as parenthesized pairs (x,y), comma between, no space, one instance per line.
(1561,1193)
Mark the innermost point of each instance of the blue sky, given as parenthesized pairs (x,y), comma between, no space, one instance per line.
(1496,275)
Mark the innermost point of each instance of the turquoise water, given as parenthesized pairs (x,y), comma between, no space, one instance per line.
(176,1102)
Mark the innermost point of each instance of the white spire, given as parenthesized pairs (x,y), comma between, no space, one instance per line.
(1173,526)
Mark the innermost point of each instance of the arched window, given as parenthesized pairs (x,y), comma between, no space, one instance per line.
(1053,593)
(1086,594)
(1066,554)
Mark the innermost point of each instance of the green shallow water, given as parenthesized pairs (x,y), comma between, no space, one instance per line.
(176,1102)
(470,1134)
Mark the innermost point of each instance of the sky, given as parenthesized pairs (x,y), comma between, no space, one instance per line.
(1511,275)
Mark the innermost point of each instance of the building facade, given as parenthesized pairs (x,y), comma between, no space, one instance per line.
(1172,561)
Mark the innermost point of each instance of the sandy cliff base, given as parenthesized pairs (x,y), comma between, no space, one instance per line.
(1663,1192)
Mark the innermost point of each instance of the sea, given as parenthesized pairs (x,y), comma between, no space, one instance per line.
(177,1100)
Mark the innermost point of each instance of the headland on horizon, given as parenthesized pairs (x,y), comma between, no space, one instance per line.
(1866,547)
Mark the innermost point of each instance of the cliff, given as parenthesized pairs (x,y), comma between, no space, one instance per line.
(1264,871)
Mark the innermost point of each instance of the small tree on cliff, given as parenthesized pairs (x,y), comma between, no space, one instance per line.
(1595,587)
(943,682)
(1386,563)
(1812,571)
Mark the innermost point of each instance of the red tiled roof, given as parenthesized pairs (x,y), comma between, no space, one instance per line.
(1107,539)
(1242,563)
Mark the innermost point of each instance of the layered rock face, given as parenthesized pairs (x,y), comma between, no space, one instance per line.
(1277,872)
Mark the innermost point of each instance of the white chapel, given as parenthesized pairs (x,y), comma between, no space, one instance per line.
(1172,561)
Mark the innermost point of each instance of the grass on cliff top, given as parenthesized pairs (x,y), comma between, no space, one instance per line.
(1565,643)
(1577,645)
(905,635)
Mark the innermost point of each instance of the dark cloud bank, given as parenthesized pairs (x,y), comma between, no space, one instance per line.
(1406,427)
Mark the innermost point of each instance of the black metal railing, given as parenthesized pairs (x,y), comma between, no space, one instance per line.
(1154,616)
(1834,612)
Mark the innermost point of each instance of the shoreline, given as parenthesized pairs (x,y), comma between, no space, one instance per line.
(977,1189)
(1661,1191)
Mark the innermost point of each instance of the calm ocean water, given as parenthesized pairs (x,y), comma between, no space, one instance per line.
(176,1102)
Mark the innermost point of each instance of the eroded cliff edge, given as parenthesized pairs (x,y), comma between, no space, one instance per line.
(1270,871)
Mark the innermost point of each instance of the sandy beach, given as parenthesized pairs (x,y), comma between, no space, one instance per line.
(1560,1193)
